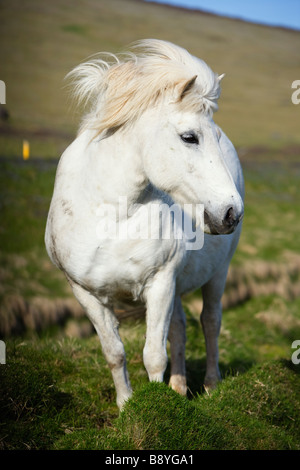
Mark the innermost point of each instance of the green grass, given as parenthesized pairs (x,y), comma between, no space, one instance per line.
(25,192)
(58,393)
(255,410)
(272,210)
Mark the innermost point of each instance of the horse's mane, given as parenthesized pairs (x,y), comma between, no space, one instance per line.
(120,88)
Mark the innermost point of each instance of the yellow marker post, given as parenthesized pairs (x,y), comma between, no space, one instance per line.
(25,149)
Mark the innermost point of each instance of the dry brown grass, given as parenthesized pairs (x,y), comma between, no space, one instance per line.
(263,278)
(254,279)
(37,314)
(258,278)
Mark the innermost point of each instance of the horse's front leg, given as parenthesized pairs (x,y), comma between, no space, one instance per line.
(159,302)
(177,338)
(106,325)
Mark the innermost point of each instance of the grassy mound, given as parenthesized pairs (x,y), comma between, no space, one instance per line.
(58,394)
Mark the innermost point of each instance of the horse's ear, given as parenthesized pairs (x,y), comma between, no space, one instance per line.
(186,87)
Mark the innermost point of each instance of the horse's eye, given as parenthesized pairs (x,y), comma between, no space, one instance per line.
(189,138)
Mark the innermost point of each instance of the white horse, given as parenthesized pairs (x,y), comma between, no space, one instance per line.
(149,138)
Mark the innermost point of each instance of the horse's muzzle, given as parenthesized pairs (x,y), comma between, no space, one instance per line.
(228,223)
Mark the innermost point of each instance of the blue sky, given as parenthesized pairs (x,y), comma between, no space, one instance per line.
(273,12)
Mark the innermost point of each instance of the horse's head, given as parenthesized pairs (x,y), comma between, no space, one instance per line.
(183,157)
(183,148)
(164,99)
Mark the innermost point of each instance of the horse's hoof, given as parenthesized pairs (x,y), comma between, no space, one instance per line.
(211,384)
(178,384)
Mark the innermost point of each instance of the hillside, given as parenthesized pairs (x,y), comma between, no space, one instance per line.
(41,41)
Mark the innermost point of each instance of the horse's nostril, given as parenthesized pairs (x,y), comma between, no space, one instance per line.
(230,218)
(227,225)
(206,218)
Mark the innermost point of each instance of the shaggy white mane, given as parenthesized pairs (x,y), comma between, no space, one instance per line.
(120,88)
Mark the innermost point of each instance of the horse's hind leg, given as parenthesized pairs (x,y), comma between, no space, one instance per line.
(106,325)
(177,339)
(211,317)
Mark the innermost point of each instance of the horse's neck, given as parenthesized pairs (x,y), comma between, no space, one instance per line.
(116,169)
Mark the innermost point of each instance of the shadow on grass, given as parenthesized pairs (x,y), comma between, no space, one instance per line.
(291,366)
(195,372)
(30,405)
